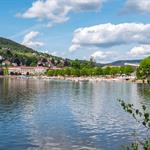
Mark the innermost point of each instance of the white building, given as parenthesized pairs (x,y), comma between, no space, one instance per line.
(24,70)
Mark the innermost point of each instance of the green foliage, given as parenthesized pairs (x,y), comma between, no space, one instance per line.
(143,72)
(114,70)
(143,118)
(89,71)
(76,64)
(12,51)
(79,64)
(50,73)
(127,70)
(31,61)
(5,71)
(107,71)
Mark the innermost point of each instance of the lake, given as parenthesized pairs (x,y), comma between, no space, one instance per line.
(65,115)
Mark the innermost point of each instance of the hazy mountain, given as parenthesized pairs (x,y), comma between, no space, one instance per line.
(123,62)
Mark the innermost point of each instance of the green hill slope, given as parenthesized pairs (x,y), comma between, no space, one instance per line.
(18,54)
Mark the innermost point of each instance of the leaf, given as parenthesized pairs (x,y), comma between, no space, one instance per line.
(146,115)
(130,105)
(144,123)
(137,111)
(144,107)
(130,111)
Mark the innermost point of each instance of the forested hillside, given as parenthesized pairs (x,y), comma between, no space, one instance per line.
(12,53)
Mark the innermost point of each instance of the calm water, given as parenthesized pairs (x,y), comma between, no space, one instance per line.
(63,115)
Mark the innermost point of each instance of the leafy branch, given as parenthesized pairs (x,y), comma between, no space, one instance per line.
(143,118)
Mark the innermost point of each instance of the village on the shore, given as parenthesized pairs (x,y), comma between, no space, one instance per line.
(17,61)
(9,69)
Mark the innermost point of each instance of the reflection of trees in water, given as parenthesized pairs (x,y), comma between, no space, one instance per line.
(13,90)
(16,106)
(144,92)
(19,92)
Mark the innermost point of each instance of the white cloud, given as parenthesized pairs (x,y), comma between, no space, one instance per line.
(57,11)
(142,6)
(29,40)
(138,51)
(107,35)
(102,56)
(54,53)
(74,47)
(85,5)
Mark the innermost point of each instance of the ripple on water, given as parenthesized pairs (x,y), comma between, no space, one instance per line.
(62,115)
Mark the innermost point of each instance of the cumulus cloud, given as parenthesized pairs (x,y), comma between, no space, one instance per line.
(29,40)
(107,35)
(74,47)
(102,56)
(57,11)
(141,6)
(138,51)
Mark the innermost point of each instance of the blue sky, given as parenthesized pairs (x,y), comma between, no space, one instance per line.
(107,30)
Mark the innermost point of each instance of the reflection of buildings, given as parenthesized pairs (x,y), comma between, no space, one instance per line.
(27,70)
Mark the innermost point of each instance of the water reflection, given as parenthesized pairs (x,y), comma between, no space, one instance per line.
(38,114)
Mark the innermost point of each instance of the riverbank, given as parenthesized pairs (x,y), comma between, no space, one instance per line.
(96,79)
(80,79)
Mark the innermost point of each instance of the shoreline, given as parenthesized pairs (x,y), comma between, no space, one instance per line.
(79,79)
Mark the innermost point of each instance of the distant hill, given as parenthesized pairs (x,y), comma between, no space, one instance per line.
(13,46)
(123,62)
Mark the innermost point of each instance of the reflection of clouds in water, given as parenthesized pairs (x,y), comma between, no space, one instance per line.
(57,136)
(66,115)
(87,110)
(96,107)
(44,131)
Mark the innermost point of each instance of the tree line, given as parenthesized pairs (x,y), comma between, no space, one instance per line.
(91,71)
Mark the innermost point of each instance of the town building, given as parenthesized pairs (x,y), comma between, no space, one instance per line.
(6,63)
(27,70)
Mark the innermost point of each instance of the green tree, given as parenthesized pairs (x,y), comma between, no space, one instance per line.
(106,71)
(5,71)
(143,71)
(50,72)
(67,71)
(114,70)
(76,64)
(84,72)
(128,70)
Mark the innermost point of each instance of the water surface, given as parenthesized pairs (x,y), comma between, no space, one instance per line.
(64,115)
